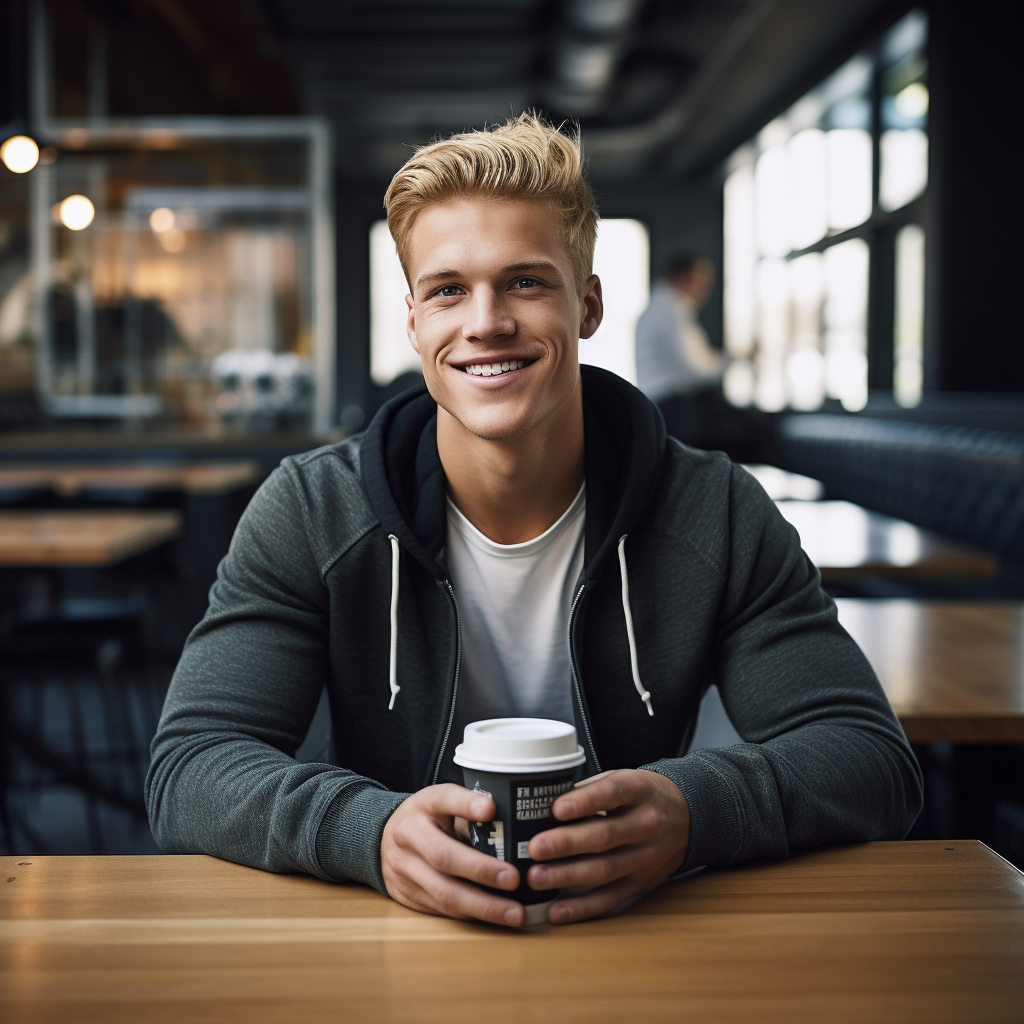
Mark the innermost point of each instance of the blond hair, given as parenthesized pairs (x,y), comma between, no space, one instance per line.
(526,158)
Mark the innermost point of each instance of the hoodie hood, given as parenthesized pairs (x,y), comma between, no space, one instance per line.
(625,444)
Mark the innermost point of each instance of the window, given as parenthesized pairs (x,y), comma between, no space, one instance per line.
(391,355)
(834,183)
(621,260)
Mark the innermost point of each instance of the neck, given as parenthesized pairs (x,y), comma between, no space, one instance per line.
(513,489)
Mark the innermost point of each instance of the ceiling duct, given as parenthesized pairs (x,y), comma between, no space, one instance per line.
(587,53)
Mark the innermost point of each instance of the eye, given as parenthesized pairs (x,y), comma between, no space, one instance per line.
(448,291)
(525,282)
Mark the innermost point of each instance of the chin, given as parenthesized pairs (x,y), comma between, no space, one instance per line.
(496,428)
(492,421)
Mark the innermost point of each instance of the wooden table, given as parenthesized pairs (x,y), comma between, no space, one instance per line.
(70,479)
(880,932)
(843,539)
(40,538)
(952,671)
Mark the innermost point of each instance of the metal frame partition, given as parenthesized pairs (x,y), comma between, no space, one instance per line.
(311,201)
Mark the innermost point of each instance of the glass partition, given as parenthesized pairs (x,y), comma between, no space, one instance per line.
(177,279)
(172,274)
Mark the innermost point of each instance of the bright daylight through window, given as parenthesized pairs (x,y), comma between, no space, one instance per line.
(621,260)
(808,204)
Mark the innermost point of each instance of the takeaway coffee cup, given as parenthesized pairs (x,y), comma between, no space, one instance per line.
(524,765)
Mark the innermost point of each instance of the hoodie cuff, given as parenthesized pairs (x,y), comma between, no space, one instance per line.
(715,835)
(348,840)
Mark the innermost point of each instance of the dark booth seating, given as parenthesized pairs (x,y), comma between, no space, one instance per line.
(960,481)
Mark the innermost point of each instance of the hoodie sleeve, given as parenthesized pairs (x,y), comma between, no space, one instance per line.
(824,758)
(223,778)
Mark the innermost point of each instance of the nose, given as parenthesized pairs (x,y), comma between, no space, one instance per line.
(486,317)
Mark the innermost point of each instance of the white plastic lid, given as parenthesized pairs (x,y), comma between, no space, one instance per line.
(519,745)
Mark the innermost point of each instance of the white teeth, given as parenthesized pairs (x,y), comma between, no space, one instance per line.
(493,369)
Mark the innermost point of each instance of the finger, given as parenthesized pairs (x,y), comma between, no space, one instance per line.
(451,857)
(616,789)
(595,903)
(422,836)
(451,897)
(591,778)
(457,802)
(596,835)
(599,870)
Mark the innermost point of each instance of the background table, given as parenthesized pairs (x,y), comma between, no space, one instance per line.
(781,484)
(70,479)
(952,671)
(843,539)
(881,931)
(38,538)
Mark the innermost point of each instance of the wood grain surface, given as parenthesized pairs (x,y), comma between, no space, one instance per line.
(41,538)
(952,670)
(70,479)
(843,539)
(877,932)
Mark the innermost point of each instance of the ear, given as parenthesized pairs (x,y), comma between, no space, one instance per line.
(410,324)
(593,307)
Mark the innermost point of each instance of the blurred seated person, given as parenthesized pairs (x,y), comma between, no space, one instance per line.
(677,367)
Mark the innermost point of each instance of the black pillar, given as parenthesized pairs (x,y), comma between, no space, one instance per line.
(976,218)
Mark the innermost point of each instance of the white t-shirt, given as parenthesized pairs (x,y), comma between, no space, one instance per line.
(514,604)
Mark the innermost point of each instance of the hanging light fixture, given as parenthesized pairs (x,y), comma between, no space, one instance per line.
(76,212)
(19,154)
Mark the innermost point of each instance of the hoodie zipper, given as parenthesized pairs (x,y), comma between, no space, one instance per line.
(576,680)
(458,663)
(455,683)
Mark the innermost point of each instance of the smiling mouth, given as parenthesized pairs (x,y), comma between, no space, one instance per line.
(495,369)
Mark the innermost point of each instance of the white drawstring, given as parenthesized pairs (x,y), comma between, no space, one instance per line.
(644,694)
(393,656)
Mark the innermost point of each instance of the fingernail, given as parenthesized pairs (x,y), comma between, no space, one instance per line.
(540,876)
(558,915)
(479,808)
(512,916)
(506,878)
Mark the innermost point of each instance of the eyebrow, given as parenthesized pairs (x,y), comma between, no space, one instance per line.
(512,268)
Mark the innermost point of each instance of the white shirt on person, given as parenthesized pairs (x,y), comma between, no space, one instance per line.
(673,354)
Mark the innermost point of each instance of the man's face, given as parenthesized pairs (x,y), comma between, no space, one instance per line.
(495,313)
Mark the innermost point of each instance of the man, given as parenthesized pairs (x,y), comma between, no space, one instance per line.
(517,538)
(676,366)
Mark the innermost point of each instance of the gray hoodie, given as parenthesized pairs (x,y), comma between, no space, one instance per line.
(336,577)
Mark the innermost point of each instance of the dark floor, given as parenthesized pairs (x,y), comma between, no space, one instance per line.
(77,752)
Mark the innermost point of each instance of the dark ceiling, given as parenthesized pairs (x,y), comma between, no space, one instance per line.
(658,85)
(655,83)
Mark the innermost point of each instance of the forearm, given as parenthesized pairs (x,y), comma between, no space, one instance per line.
(236,797)
(819,784)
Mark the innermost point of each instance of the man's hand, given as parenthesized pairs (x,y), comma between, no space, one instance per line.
(423,862)
(640,841)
